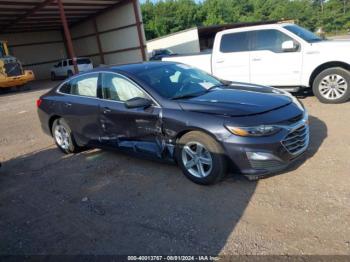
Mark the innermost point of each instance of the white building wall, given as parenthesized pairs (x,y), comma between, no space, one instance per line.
(118,36)
(183,42)
(37,51)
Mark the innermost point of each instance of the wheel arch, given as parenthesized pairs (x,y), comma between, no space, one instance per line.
(325,66)
(195,129)
(232,164)
(51,120)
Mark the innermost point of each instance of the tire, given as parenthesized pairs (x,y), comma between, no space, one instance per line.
(53,76)
(211,152)
(67,143)
(69,74)
(332,86)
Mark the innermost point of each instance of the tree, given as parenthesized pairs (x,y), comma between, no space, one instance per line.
(168,16)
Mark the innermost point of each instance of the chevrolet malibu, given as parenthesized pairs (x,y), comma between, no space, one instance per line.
(175,112)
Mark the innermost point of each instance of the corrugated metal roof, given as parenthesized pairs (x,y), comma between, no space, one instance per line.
(43,15)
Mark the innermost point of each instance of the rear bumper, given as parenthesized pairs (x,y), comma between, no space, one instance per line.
(44,121)
(17,80)
(262,156)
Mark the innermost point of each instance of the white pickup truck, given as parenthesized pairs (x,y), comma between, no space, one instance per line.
(280,55)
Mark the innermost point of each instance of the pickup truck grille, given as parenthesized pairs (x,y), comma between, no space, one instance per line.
(297,140)
(13,69)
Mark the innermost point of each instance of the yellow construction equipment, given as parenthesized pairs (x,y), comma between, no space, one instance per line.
(11,71)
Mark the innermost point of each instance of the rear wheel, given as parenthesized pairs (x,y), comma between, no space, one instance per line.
(63,137)
(201,158)
(332,86)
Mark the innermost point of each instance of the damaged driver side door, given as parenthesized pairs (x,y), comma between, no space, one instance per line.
(126,125)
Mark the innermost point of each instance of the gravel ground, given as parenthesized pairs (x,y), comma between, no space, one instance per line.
(100,202)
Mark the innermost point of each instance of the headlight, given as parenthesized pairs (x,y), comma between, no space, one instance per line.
(263,130)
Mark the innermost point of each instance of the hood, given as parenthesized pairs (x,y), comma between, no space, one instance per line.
(333,44)
(237,100)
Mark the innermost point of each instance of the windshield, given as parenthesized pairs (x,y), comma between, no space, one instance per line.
(303,33)
(175,81)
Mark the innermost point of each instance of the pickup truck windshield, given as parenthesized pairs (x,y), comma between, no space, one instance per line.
(176,81)
(303,33)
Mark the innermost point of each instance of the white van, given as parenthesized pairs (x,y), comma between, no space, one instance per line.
(65,68)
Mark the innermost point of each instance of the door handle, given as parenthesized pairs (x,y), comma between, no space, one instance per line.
(256,59)
(106,110)
(220,61)
(67,104)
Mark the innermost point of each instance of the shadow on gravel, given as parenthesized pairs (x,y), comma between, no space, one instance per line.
(101,202)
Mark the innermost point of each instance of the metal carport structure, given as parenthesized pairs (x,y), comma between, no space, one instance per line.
(72,17)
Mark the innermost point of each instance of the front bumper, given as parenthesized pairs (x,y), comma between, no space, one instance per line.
(261,156)
(17,80)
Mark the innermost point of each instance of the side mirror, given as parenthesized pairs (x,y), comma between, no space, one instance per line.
(138,102)
(289,46)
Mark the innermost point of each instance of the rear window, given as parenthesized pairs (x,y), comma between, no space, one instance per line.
(84,85)
(83,61)
(65,88)
(237,42)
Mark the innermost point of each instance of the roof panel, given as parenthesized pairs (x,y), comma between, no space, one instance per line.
(34,15)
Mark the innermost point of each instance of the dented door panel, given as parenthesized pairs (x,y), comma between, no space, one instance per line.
(137,129)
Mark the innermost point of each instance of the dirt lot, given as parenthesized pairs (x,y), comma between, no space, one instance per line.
(100,202)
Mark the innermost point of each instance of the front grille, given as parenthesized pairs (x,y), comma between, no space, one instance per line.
(297,140)
(271,165)
(13,69)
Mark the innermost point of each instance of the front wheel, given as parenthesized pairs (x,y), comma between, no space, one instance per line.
(201,158)
(53,76)
(332,86)
(63,137)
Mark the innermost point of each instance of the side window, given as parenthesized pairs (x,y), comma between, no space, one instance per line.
(85,85)
(70,62)
(118,88)
(270,39)
(175,77)
(65,88)
(65,63)
(236,42)
(59,64)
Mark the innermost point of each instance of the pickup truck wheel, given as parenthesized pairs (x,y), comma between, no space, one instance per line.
(201,158)
(53,76)
(63,137)
(332,86)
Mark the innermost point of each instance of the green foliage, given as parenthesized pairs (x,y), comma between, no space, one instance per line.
(168,16)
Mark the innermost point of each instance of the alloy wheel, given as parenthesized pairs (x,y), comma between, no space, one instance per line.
(62,136)
(197,159)
(333,87)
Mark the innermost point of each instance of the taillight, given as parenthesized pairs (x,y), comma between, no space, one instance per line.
(38,102)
